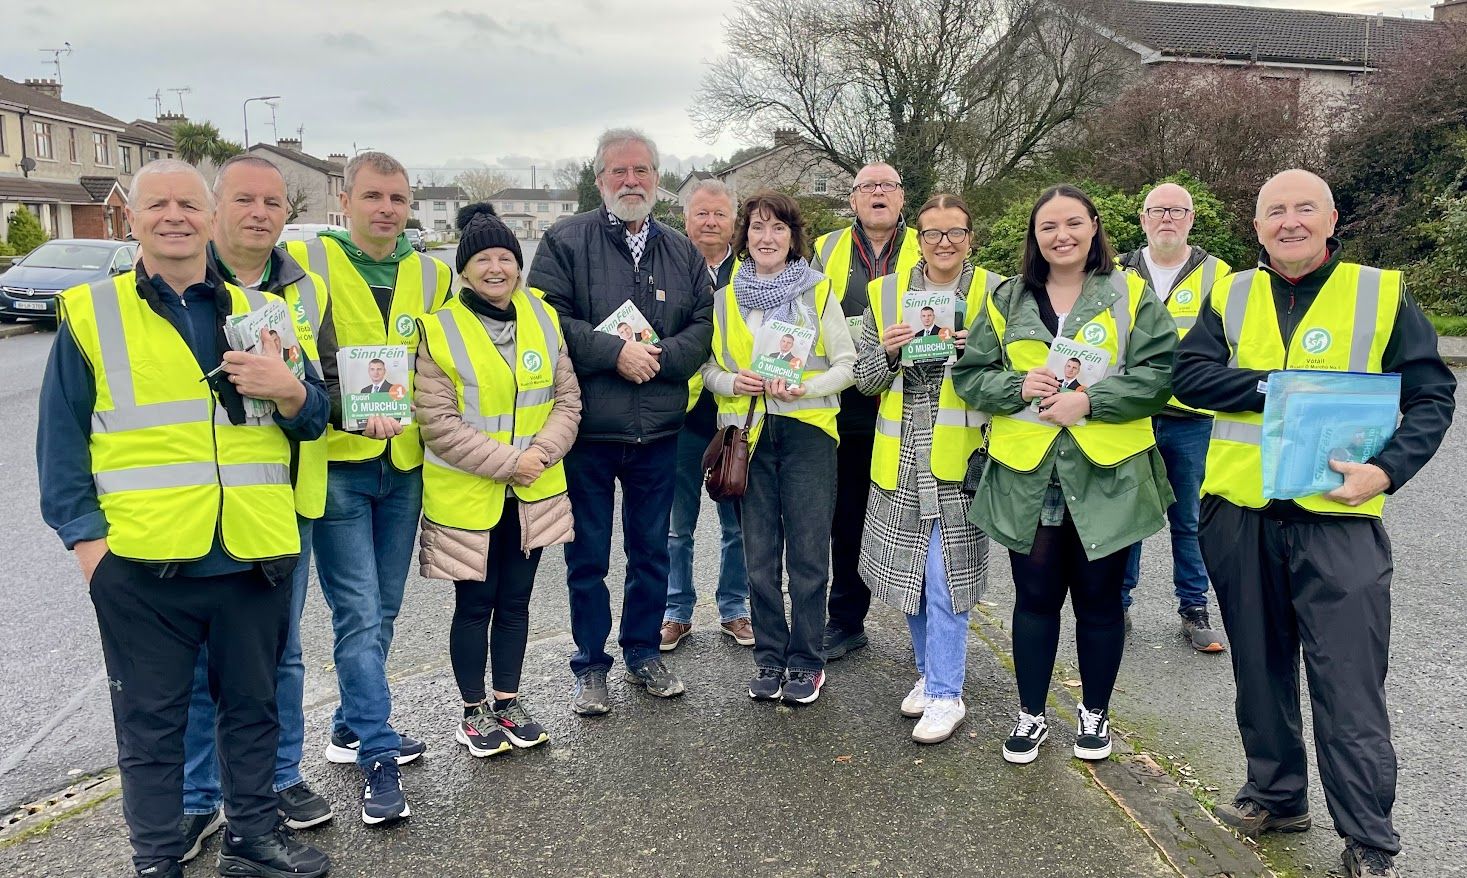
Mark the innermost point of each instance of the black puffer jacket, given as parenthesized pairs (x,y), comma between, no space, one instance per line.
(585,269)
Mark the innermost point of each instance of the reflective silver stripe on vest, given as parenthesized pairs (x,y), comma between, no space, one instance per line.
(168,475)
(1237,431)
(960,418)
(830,244)
(538,396)
(255,298)
(305,288)
(725,301)
(1209,274)
(125,413)
(430,281)
(817,363)
(316,260)
(1120,312)
(888,427)
(460,354)
(239,475)
(1367,304)
(1186,322)
(1239,292)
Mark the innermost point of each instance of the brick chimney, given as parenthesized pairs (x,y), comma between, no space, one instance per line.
(48,87)
(786,136)
(290,143)
(1451,10)
(338,159)
(172,119)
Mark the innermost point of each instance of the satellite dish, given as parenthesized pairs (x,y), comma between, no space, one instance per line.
(27,164)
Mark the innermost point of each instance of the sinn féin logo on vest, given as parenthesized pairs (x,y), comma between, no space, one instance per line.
(532,361)
(1093,333)
(1185,297)
(404,326)
(1316,340)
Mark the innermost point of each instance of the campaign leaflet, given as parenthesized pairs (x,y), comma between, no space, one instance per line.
(242,331)
(1313,417)
(931,314)
(374,381)
(781,350)
(627,321)
(1077,366)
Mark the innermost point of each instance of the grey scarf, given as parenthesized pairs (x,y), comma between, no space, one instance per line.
(776,296)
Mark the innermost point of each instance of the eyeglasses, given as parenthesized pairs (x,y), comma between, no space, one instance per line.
(869,187)
(934,236)
(1175,213)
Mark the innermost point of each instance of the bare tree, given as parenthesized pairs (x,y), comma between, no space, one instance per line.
(481,183)
(297,201)
(952,90)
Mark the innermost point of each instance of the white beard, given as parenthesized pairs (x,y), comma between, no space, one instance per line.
(625,210)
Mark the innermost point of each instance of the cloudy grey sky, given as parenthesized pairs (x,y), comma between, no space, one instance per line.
(435,82)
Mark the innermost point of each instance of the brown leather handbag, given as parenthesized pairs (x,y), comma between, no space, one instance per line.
(726,460)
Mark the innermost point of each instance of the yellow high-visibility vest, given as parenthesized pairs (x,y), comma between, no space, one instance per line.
(507,405)
(957,429)
(733,348)
(1346,328)
(307,300)
(1185,303)
(1021,441)
(169,467)
(422,286)
(695,384)
(833,252)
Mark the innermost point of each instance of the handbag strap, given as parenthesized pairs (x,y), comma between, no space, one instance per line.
(753,404)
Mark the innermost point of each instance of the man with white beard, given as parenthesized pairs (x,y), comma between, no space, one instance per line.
(634,398)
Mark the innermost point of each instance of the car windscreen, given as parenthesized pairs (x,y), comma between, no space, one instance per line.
(73,256)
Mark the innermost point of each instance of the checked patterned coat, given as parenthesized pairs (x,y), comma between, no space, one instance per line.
(899,523)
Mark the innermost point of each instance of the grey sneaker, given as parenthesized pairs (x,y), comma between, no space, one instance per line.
(1364,861)
(1199,631)
(591,696)
(655,677)
(1251,819)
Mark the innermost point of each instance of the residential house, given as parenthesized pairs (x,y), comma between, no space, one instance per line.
(59,161)
(529,213)
(685,188)
(789,164)
(312,185)
(1324,53)
(437,207)
(144,142)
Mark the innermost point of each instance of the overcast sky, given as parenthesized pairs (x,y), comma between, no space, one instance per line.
(434,82)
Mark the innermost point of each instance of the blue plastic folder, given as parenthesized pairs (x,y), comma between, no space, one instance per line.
(1312,417)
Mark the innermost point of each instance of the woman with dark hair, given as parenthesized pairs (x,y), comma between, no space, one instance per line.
(787,508)
(919,552)
(1073,479)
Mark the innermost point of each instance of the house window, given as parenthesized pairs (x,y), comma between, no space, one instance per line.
(124,154)
(544,225)
(821,185)
(440,225)
(567,206)
(43,140)
(153,155)
(71,148)
(415,205)
(3,150)
(542,207)
(101,153)
(440,205)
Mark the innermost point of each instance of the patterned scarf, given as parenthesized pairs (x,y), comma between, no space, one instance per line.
(778,296)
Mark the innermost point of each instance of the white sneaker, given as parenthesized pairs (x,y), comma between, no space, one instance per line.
(916,700)
(941,718)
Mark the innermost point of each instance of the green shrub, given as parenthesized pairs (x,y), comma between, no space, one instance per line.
(24,232)
(1439,282)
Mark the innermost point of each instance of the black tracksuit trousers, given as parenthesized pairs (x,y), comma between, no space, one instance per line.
(151,630)
(1323,584)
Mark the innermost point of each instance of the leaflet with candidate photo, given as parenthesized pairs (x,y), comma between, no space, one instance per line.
(374,381)
(1311,418)
(931,314)
(627,321)
(782,349)
(242,331)
(1077,366)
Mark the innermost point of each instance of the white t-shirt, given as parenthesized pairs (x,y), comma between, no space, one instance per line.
(1162,279)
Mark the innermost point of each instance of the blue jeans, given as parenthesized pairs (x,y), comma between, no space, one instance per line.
(733,578)
(939,636)
(1183,446)
(364,544)
(201,788)
(646,472)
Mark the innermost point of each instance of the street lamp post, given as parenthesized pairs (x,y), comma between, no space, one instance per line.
(245,107)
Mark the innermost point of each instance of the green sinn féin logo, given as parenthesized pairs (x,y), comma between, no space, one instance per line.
(1185,297)
(1093,333)
(531,361)
(404,326)
(1316,340)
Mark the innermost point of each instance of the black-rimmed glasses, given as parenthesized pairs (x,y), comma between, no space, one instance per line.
(934,236)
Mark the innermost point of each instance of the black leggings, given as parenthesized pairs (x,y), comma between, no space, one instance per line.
(1057,565)
(503,597)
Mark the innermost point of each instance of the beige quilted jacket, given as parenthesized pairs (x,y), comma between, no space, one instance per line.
(450,553)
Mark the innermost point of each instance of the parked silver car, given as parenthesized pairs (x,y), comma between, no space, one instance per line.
(29,288)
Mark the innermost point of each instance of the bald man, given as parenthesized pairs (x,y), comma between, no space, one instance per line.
(1314,572)
(1181,274)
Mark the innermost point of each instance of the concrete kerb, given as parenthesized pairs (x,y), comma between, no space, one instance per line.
(1188,837)
(10,330)
(1453,350)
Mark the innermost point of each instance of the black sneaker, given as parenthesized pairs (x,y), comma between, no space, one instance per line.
(518,726)
(766,684)
(196,828)
(1199,632)
(170,869)
(1029,732)
(1092,735)
(344,745)
(591,697)
(481,734)
(301,808)
(276,854)
(1251,819)
(382,797)
(1364,861)
(803,687)
(838,643)
(656,678)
